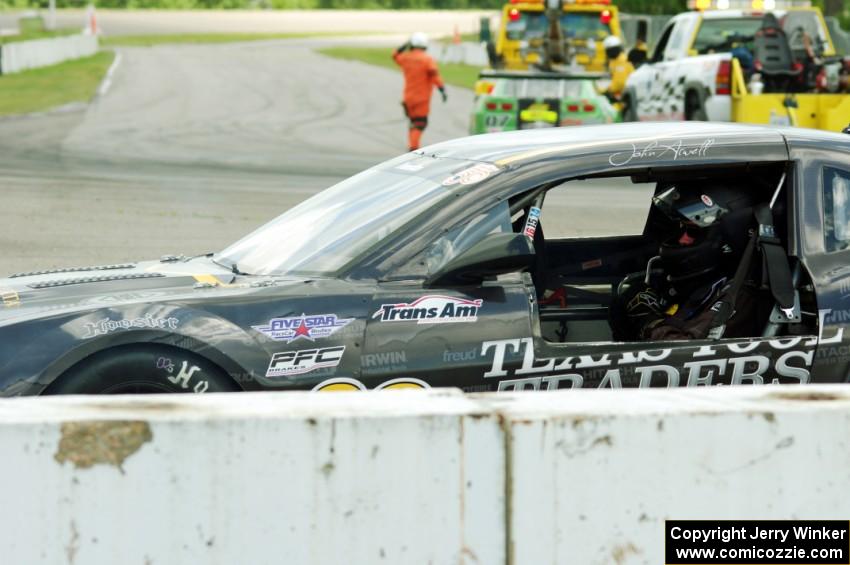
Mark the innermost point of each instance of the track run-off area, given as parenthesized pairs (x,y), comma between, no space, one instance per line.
(193,146)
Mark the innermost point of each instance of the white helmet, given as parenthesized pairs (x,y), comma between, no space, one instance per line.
(612,41)
(419,40)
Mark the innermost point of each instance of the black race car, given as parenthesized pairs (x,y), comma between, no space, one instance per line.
(433,269)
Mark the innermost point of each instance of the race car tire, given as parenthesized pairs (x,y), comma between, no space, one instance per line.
(694,109)
(143,369)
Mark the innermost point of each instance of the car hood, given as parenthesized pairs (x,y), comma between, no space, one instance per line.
(40,293)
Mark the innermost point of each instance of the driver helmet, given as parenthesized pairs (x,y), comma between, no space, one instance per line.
(713,222)
(613,46)
(419,40)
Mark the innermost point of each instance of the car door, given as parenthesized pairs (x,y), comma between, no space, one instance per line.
(823,206)
(642,83)
(426,334)
(590,359)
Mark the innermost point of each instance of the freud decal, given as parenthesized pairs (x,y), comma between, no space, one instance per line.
(290,363)
(789,361)
(308,327)
(431,309)
(674,150)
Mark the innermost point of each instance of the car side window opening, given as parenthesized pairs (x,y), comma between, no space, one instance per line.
(836,208)
(661,46)
(601,243)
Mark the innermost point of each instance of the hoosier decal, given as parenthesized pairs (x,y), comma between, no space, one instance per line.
(431,309)
(308,327)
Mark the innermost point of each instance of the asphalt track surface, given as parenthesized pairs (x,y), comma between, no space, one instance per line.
(194,146)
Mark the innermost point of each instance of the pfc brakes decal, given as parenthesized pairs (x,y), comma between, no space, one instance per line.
(289,363)
(308,327)
(431,309)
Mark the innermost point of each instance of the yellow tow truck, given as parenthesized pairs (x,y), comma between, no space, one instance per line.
(524,24)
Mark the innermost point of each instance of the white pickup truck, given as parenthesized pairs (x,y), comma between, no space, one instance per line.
(690,73)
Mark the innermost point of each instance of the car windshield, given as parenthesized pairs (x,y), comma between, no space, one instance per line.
(575,25)
(325,232)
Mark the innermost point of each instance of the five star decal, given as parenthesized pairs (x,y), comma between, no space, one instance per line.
(309,327)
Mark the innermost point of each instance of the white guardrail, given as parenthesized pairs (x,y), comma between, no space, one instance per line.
(410,476)
(22,55)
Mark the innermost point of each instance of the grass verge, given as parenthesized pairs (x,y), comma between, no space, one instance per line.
(40,89)
(183,38)
(456,74)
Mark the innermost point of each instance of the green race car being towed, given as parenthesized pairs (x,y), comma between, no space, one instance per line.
(511,100)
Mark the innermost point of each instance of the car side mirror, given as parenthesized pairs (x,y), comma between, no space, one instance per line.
(496,254)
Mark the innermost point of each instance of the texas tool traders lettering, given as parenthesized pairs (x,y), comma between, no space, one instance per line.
(705,365)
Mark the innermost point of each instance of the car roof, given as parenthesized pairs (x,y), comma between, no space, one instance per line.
(517,147)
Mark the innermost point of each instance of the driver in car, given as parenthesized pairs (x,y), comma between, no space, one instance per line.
(711,224)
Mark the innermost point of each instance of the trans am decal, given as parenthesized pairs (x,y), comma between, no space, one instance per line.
(308,327)
(289,363)
(431,309)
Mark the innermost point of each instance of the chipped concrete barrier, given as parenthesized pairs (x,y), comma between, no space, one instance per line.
(22,55)
(251,478)
(410,476)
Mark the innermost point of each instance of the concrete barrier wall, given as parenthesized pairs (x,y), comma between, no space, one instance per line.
(22,55)
(409,476)
(474,54)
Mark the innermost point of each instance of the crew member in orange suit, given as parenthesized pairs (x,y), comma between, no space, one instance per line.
(421,75)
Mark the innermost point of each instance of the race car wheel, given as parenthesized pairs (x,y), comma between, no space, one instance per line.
(694,110)
(143,369)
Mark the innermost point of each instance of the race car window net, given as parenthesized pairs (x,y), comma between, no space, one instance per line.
(341,223)
(836,205)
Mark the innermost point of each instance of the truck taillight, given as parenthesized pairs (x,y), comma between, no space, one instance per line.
(491,105)
(605,16)
(507,106)
(723,78)
(572,108)
(589,108)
